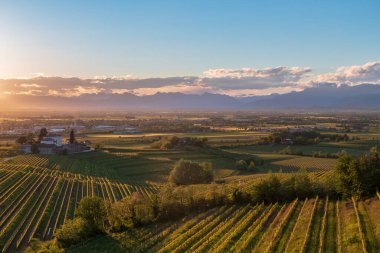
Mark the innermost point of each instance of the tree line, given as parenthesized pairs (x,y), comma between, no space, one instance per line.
(303,137)
(174,142)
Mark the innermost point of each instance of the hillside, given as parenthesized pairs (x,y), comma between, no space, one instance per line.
(312,225)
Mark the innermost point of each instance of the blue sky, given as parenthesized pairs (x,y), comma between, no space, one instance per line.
(177,38)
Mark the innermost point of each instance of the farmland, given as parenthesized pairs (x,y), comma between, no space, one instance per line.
(37,199)
(40,193)
(311,225)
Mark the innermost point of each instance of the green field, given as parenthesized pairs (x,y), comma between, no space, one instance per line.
(354,148)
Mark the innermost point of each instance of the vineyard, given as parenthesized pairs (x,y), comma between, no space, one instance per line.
(38,194)
(313,225)
(36,198)
(126,165)
(310,163)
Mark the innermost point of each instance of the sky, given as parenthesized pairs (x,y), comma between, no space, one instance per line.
(202,39)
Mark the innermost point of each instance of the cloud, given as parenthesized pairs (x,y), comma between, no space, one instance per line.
(357,74)
(282,72)
(126,77)
(188,89)
(259,92)
(120,91)
(234,82)
(28,85)
(77,91)
(249,78)
(30,92)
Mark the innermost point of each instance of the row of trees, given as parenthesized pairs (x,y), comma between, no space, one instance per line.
(173,202)
(93,216)
(318,154)
(31,138)
(174,142)
(284,189)
(303,137)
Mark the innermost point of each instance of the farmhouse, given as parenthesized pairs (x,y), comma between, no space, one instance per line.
(52,140)
(52,144)
(47,149)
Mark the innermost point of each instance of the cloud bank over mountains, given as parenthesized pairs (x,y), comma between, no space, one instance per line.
(232,82)
(353,75)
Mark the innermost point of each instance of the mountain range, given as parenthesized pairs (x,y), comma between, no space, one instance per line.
(321,97)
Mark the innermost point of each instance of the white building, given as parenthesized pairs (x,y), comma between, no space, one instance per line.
(52,139)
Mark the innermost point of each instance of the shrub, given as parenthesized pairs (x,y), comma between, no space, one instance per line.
(357,177)
(93,211)
(251,166)
(132,211)
(73,232)
(278,189)
(189,172)
(241,165)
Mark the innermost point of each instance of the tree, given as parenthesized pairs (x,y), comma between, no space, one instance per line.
(30,138)
(188,172)
(22,140)
(130,212)
(252,166)
(268,190)
(241,165)
(92,210)
(51,247)
(73,232)
(358,176)
(239,196)
(72,136)
(120,216)
(43,133)
(35,149)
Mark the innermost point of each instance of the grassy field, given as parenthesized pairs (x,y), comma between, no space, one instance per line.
(215,139)
(354,148)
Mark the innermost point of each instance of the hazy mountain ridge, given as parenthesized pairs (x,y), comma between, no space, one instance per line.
(324,96)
